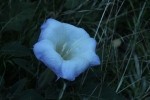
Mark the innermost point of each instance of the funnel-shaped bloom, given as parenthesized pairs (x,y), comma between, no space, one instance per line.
(65,49)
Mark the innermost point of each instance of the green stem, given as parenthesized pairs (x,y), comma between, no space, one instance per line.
(62,91)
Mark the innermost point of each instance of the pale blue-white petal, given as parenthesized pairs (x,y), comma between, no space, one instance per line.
(73,43)
(52,30)
(59,32)
(74,33)
(45,52)
(52,23)
(92,58)
(85,47)
(72,68)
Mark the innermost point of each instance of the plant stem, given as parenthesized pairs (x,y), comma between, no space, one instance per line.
(62,91)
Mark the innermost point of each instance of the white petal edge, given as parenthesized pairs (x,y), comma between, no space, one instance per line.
(45,52)
(83,45)
(74,33)
(52,30)
(55,30)
(92,58)
(84,56)
(73,68)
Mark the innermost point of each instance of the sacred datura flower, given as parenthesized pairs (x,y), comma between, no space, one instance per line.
(65,49)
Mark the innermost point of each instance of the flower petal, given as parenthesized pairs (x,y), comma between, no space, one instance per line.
(44,51)
(55,30)
(52,30)
(72,68)
(92,58)
(67,50)
(85,47)
(74,33)
(50,22)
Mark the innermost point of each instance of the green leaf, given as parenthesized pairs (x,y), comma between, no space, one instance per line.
(52,93)
(108,93)
(15,49)
(30,95)
(16,14)
(24,64)
(45,78)
(2,96)
(93,90)
(71,4)
(2,81)
(17,87)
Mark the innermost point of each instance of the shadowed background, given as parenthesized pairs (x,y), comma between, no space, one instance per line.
(120,27)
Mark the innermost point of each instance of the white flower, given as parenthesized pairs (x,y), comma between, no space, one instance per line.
(65,49)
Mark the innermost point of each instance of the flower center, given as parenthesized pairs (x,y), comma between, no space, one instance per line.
(64,51)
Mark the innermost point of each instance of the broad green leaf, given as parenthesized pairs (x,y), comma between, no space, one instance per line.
(71,4)
(2,81)
(45,78)
(108,93)
(17,87)
(30,95)
(24,64)
(16,14)
(15,49)
(93,90)
(2,97)
(51,93)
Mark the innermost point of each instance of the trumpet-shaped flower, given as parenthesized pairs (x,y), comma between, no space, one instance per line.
(65,49)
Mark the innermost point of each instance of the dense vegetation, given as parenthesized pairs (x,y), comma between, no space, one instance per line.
(120,27)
